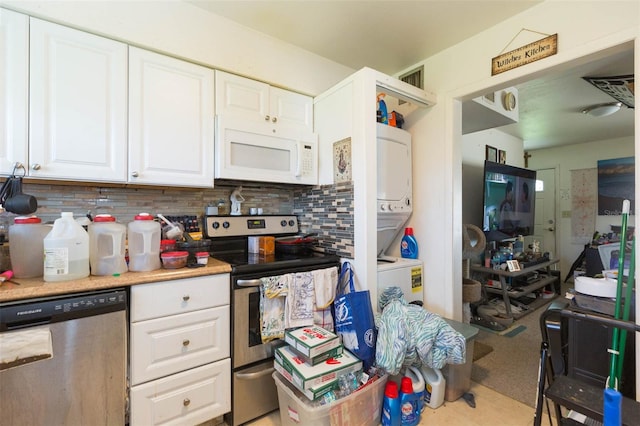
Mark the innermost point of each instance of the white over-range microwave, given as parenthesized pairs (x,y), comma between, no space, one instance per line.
(250,151)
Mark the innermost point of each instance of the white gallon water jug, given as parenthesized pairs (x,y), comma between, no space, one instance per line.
(144,243)
(66,250)
(26,248)
(107,246)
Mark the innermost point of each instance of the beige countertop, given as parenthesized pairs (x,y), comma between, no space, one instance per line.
(28,288)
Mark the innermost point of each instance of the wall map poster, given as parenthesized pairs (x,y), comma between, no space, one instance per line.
(616,182)
(583,205)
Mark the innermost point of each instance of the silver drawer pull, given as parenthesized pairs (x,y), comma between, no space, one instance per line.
(185,342)
(186,402)
(186,297)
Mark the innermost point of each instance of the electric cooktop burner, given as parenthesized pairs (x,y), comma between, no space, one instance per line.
(229,243)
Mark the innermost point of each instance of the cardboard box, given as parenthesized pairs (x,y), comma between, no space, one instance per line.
(311,341)
(337,351)
(311,377)
(313,393)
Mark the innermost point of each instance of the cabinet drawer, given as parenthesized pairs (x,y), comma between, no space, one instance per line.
(185,398)
(179,296)
(164,346)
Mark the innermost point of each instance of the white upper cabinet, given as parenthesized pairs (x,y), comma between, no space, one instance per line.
(171,121)
(14,90)
(78,105)
(259,102)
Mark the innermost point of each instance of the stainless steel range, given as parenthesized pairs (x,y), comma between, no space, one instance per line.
(254,391)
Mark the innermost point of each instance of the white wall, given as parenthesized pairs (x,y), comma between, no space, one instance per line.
(185,31)
(463,72)
(576,157)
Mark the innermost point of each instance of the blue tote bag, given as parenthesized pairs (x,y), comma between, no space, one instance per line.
(353,316)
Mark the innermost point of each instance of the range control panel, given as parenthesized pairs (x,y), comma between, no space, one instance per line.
(237,226)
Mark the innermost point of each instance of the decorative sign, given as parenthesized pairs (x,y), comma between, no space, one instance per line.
(532,52)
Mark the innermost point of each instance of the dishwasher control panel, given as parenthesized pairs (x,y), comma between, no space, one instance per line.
(33,312)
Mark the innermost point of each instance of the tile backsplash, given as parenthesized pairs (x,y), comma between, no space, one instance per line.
(326,209)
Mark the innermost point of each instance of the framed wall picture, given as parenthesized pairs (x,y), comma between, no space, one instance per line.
(342,160)
(491,153)
(502,157)
(513,265)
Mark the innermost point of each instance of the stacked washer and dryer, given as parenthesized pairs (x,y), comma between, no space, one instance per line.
(394,206)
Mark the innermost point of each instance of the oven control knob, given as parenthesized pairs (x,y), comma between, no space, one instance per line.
(391,207)
(225,225)
(382,207)
(215,225)
(292,222)
(283,223)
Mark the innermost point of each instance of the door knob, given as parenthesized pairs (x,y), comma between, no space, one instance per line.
(267,118)
(550,229)
(36,166)
(274,119)
(135,174)
(185,342)
(186,402)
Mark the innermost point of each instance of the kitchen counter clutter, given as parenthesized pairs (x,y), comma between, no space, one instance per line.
(27,288)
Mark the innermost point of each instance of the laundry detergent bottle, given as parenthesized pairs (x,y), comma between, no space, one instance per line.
(409,245)
(391,405)
(435,386)
(408,403)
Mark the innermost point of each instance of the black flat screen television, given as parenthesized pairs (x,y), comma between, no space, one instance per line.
(509,200)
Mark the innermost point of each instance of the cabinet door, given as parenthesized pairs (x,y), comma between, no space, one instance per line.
(171,121)
(242,98)
(78,105)
(14,89)
(291,109)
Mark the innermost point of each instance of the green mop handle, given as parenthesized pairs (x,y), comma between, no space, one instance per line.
(613,363)
(627,305)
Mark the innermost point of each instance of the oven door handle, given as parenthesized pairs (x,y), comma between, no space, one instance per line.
(249,283)
(261,373)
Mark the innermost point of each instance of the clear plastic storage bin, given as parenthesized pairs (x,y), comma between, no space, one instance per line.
(361,408)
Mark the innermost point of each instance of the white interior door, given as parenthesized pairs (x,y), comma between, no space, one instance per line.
(545,212)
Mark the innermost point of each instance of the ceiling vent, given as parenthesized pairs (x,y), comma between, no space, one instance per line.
(414,78)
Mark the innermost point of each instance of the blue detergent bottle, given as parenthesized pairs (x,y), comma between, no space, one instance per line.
(391,405)
(409,245)
(408,403)
(382,110)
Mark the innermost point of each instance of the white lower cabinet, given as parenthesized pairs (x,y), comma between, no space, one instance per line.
(188,398)
(180,366)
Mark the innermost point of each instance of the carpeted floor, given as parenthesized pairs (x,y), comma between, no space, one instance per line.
(511,367)
(480,350)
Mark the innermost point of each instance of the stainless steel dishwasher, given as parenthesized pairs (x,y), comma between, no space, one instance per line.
(63,360)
